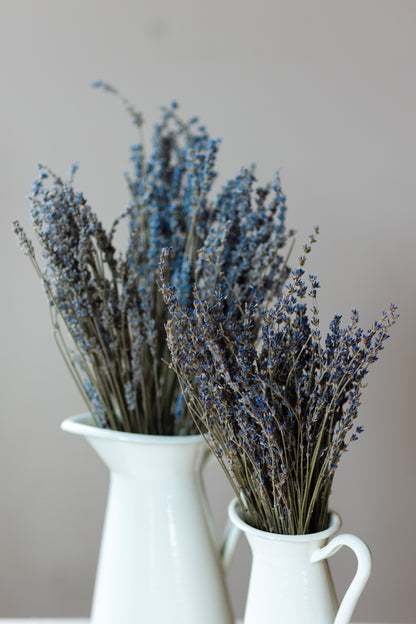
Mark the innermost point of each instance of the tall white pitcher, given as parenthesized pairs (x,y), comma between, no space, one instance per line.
(290,581)
(158,559)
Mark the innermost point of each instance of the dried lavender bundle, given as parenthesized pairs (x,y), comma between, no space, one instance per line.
(279,407)
(107,310)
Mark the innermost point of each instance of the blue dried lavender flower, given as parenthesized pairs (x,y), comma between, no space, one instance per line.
(107,308)
(278,403)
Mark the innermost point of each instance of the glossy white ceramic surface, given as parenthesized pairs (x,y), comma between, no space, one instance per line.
(158,559)
(290,582)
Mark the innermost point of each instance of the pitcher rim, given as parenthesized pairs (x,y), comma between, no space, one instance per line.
(234,515)
(83,424)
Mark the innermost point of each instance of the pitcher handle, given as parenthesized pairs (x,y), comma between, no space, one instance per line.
(232,532)
(362,552)
(231,536)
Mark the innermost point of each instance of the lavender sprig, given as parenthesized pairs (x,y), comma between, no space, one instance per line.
(107,310)
(281,409)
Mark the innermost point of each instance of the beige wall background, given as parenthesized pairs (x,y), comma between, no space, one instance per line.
(323,90)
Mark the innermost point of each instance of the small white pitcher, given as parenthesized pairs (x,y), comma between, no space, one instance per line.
(290,582)
(158,559)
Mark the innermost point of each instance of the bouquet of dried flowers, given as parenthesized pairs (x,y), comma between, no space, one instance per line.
(107,310)
(278,403)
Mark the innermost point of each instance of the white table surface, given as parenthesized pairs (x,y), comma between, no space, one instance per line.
(63,621)
(78,621)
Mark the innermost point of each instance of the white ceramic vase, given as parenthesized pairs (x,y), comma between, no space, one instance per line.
(158,559)
(290,582)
